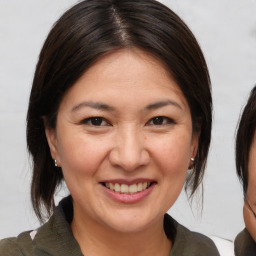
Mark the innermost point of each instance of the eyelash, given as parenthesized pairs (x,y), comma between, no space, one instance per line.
(161,120)
(97,121)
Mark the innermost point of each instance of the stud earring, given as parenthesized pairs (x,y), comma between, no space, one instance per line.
(191,164)
(55,163)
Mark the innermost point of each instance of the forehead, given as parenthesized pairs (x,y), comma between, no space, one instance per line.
(130,73)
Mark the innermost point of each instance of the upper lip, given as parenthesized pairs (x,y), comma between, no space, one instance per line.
(128,182)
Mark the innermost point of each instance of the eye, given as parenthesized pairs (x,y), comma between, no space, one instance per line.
(95,121)
(160,120)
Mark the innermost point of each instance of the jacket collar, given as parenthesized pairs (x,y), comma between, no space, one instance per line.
(55,237)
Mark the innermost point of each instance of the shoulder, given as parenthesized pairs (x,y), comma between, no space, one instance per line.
(54,237)
(16,246)
(197,243)
(10,247)
(244,244)
(188,243)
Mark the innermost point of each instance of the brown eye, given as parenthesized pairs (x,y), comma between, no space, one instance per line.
(95,121)
(160,120)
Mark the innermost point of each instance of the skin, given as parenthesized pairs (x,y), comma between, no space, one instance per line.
(250,203)
(133,89)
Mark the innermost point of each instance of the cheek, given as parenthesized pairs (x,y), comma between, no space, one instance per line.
(173,158)
(81,157)
(252,174)
(173,153)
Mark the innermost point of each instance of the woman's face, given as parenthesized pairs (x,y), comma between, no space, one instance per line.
(124,141)
(250,204)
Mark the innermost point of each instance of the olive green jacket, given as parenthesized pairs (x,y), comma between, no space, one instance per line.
(55,238)
(244,244)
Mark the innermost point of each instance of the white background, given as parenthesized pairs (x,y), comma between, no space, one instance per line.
(226,31)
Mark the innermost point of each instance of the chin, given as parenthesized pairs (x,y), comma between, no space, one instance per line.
(131,222)
(126,227)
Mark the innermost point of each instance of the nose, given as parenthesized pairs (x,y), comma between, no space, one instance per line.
(129,150)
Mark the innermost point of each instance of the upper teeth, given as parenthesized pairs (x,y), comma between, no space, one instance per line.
(124,188)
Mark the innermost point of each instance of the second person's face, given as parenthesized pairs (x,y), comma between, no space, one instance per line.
(250,204)
(124,141)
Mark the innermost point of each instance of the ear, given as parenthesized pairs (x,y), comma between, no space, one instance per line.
(52,142)
(194,143)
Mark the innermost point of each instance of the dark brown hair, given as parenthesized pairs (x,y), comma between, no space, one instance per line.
(244,137)
(81,36)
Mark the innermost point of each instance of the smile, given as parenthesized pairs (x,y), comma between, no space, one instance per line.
(128,192)
(128,189)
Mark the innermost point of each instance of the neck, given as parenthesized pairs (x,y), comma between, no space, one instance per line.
(96,239)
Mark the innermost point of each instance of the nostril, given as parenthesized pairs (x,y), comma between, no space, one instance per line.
(127,159)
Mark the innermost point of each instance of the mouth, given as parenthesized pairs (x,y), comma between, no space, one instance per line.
(128,189)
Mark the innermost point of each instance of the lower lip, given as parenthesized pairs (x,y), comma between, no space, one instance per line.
(129,198)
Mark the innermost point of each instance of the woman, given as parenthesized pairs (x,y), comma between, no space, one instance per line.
(245,242)
(120,109)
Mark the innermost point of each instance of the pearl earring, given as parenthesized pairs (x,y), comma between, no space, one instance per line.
(55,163)
(191,164)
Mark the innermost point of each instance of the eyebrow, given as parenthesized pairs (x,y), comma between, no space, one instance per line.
(95,105)
(163,104)
(102,106)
